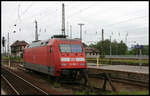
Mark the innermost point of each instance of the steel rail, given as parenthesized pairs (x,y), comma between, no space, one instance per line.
(10,85)
(123,80)
(39,89)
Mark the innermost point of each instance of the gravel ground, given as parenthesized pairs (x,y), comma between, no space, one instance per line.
(119,86)
(40,82)
(49,87)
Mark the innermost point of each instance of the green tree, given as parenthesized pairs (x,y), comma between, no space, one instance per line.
(116,48)
(132,51)
(145,50)
(93,45)
(135,51)
(122,48)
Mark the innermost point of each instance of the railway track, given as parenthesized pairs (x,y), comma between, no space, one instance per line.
(82,88)
(123,80)
(19,85)
(132,82)
(73,85)
(126,81)
(90,89)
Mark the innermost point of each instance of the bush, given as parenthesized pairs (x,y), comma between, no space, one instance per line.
(129,93)
(56,85)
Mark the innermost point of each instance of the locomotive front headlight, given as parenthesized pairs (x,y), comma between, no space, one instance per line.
(80,59)
(65,59)
(63,64)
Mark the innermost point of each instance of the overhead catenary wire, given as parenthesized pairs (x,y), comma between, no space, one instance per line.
(23,13)
(28,17)
(113,23)
(109,25)
(20,15)
(26,10)
(130,19)
(81,10)
(74,13)
(85,8)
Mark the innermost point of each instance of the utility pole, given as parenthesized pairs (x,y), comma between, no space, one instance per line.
(18,12)
(8,51)
(126,38)
(102,49)
(102,34)
(5,48)
(63,20)
(81,30)
(67,29)
(70,31)
(8,45)
(3,44)
(110,45)
(140,57)
(36,31)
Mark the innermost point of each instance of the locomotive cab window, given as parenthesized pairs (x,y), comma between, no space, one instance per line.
(76,48)
(70,48)
(65,48)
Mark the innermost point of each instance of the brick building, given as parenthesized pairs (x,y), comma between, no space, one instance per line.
(17,48)
(91,52)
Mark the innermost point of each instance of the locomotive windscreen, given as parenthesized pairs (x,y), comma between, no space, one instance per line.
(76,48)
(70,48)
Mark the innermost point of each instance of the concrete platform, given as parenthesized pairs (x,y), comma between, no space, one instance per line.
(120,68)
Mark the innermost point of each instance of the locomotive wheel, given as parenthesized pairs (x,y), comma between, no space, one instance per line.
(84,77)
(74,75)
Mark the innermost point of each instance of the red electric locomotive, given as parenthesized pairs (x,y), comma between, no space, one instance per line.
(58,56)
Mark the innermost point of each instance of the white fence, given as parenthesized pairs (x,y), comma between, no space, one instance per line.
(120,56)
(128,56)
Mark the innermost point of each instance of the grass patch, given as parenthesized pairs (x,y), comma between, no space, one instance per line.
(4,63)
(4,58)
(18,59)
(56,84)
(80,93)
(94,84)
(92,93)
(131,61)
(107,61)
(129,93)
(84,93)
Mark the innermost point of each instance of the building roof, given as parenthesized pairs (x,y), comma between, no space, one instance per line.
(90,49)
(19,43)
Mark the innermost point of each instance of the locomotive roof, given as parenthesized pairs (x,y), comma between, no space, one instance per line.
(67,39)
(38,43)
(45,42)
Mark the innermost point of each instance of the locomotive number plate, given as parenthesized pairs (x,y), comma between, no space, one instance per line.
(72,59)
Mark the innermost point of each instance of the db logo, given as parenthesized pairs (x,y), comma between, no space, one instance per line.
(72,59)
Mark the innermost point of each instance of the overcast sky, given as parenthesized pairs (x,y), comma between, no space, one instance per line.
(113,16)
